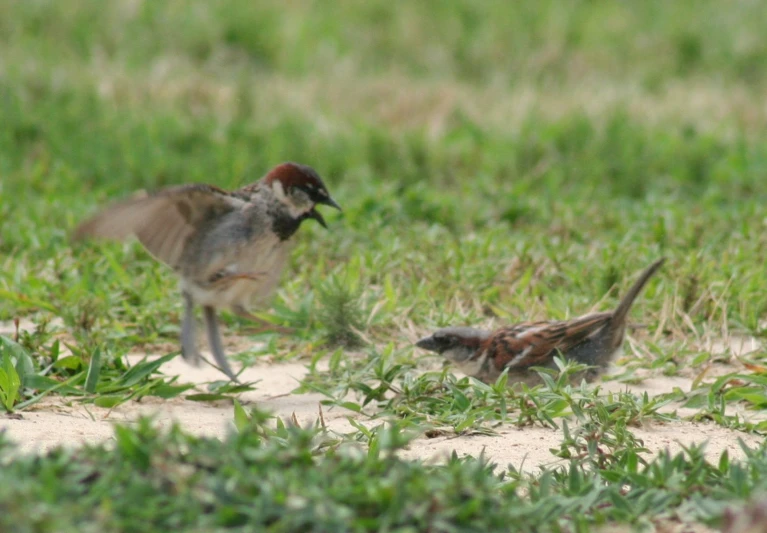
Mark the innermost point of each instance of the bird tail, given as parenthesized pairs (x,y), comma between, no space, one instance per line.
(619,315)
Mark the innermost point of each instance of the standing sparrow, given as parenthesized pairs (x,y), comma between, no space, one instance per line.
(591,339)
(228,248)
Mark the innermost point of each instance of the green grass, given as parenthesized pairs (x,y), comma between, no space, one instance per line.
(495,161)
(286,478)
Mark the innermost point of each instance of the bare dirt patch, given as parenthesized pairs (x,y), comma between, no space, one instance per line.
(54,421)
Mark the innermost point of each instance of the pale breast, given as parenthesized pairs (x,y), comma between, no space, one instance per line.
(225,292)
(231,249)
(268,261)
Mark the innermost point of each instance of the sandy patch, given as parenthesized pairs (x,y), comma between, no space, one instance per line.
(54,422)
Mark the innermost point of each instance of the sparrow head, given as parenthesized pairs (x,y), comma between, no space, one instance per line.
(299,188)
(458,345)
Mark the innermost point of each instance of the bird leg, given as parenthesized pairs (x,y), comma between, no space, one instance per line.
(189,349)
(264,325)
(214,339)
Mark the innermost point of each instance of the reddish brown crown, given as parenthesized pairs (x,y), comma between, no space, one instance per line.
(294,174)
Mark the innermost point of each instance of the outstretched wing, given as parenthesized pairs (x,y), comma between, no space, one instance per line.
(163,222)
(532,343)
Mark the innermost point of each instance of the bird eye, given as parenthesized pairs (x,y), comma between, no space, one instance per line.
(314,192)
(442,339)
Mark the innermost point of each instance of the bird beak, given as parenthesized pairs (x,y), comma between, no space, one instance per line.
(329,201)
(313,213)
(427,343)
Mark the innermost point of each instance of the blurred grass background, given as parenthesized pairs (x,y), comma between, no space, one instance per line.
(511,159)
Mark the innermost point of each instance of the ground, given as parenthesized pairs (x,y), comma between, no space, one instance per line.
(54,422)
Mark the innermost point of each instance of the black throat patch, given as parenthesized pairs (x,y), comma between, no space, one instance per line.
(283,224)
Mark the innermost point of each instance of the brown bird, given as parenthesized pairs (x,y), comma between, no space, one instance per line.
(228,248)
(591,339)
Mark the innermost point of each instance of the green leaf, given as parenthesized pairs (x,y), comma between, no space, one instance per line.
(228,387)
(24,364)
(167,391)
(70,362)
(468,422)
(94,369)
(46,384)
(351,406)
(142,369)
(207,397)
(241,418)
(9,383)
(109,401)
(724,461)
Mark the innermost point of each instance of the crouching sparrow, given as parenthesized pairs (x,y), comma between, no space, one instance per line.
(228,248)
(590,339)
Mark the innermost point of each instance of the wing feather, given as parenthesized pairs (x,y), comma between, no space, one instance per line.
(531,344)
(162,222)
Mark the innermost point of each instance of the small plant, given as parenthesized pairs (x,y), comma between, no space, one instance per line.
(340,313)
(15,363)
(97,377)
(10,383)
(272,474)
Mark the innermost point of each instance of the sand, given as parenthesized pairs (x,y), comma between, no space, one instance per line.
(58,421)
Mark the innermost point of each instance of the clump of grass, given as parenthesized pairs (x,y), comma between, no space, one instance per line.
(91,375)
(341,313)
(278,476)
(388,381)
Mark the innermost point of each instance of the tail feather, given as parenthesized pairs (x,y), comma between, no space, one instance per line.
(619,315)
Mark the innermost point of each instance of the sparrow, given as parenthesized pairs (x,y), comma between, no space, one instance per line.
(591,339)
(228,248)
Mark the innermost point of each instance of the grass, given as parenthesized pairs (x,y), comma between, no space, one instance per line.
(287,478)
(495,162)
